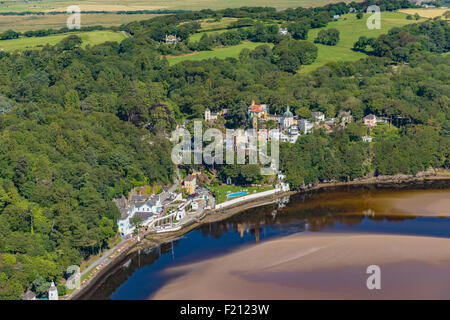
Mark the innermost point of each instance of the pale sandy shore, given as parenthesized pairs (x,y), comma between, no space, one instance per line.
(417,203)
(423,203)
(320,266)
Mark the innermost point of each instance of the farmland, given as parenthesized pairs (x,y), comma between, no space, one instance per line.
(37,22)
(209,24)
(92,38)
(350,30)
(130,5)
(426,13)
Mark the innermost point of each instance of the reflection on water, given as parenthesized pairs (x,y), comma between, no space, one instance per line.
(344,209)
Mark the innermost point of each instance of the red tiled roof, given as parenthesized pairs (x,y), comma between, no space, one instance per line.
(256,108)
(189,177)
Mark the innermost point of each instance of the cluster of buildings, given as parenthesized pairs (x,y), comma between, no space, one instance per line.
(145,207)
(371,120)
(170,39)
(52,294)
(212,116)
(290,125)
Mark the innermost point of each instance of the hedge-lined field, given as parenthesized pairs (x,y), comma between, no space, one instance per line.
(351,29)
(91,37)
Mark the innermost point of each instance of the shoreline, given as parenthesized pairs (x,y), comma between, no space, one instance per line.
(152,240)
(317,266)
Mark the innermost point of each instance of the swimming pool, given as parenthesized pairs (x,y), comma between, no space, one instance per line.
(236,194)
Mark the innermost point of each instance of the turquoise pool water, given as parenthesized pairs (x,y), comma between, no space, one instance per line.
(236,194)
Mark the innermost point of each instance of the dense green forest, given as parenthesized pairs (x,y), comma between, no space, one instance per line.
(80,127)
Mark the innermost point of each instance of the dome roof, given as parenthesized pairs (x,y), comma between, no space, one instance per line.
(287,113)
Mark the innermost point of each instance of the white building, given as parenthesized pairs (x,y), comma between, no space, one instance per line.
(284,137)
(181,214)
(210,116)
(125,227)
(383,119)
(145,207)
(292,138)
(305,125)
(293,130)
(170,39)
(319,116)
(53,292)
(274,134)
(285,186)
(283,31)
(287,119)
(367,138)
(152,205)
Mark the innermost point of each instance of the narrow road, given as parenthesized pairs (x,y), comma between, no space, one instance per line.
(103,257)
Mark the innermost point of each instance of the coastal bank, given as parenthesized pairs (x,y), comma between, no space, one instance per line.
(154,240)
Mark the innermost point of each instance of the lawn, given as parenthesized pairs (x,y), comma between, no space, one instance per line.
(92,38)
(350,30)
(220,53)
(197,36)
(332,53)
(426,12)
(221,191)
(209,24)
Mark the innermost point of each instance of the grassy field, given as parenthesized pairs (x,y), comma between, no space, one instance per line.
(222,191)
(92,38)
(197,36)
(209,24)
(426,13)
(108,5)
(220,53)
(350,31)
(35,22)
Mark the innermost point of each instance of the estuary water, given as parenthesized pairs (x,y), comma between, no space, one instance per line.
(310,245)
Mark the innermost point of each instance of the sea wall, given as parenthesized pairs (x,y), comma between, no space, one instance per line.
(246,198)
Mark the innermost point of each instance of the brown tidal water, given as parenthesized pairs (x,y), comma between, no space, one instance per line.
(420,210)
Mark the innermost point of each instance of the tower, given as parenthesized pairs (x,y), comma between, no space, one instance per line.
(53,292)
(255,123)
